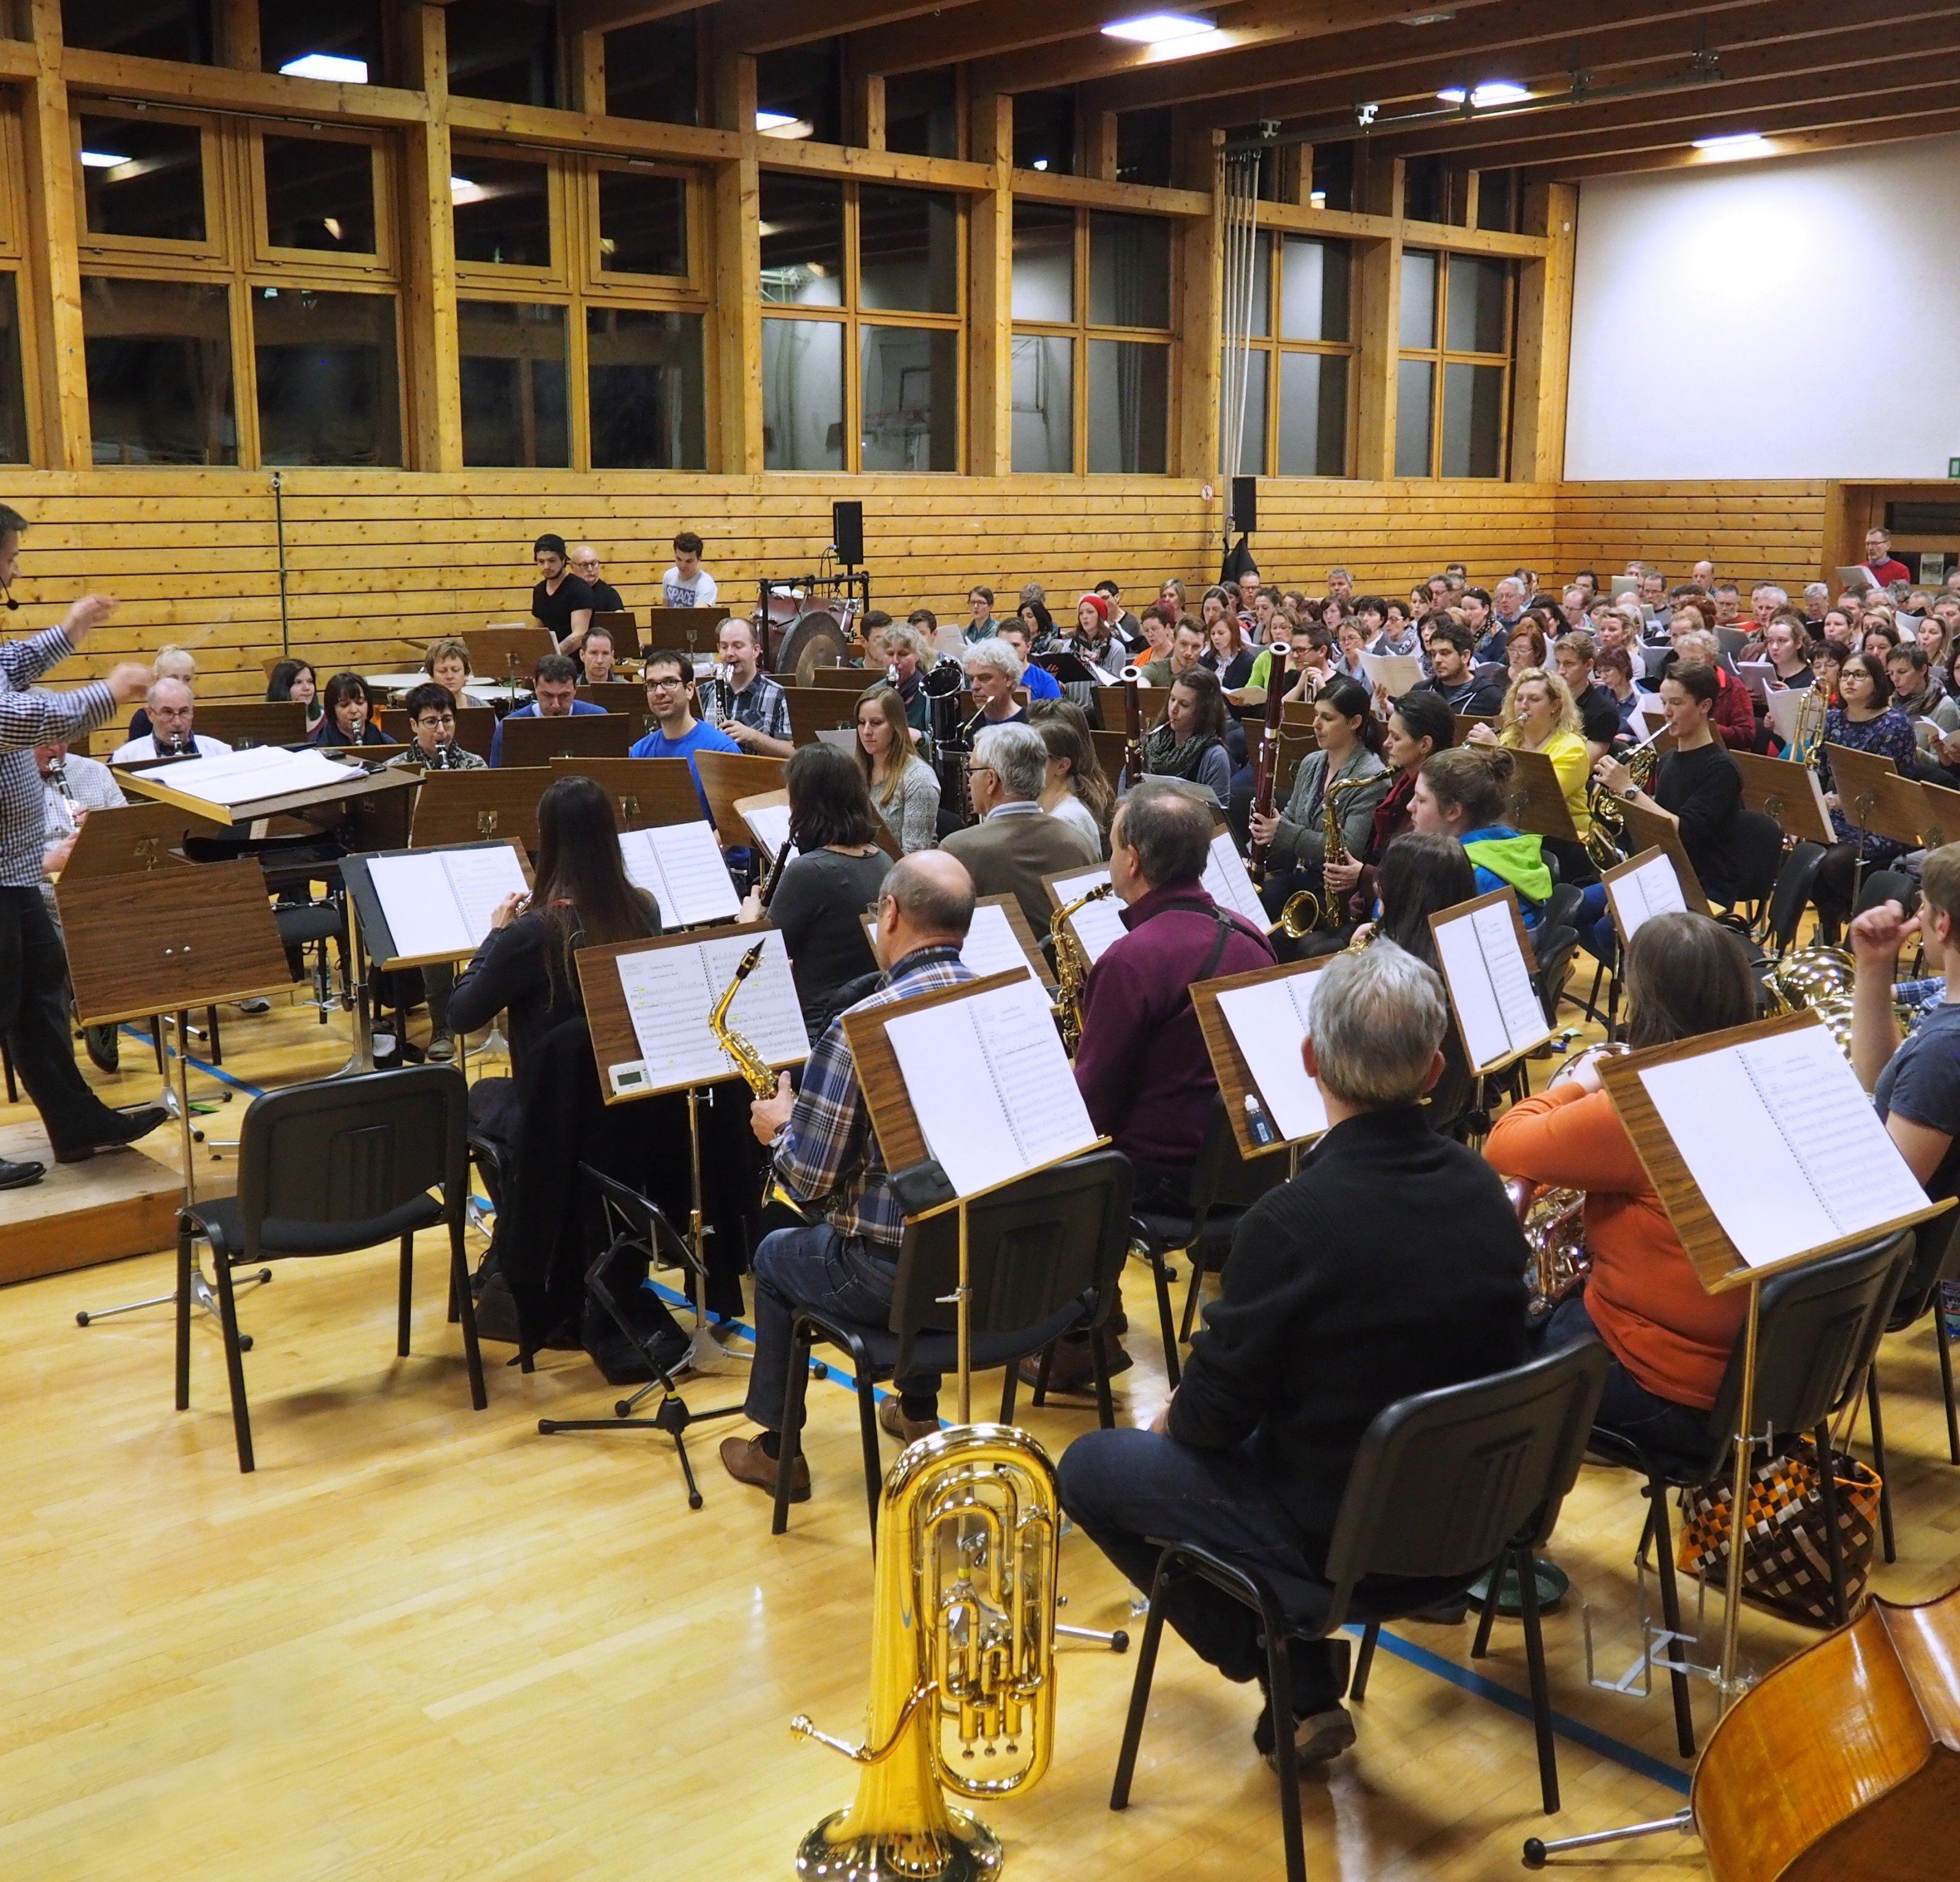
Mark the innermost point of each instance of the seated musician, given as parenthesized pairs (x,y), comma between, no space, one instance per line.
(677,732)
(171,733)
(595,657)
(1189,741)
(432,743)
(1142,1066)
(447,663)
(1862,719)
(994,669)
(902,648)
(1159,631)
(561,600)
(554,696)
(905,789)
(1684,976)
(818,899)
(1019,634)
(1078,791)
(348,717)
(1461,793)
(1599,711)
(1094,638)
(1477,693)
(759,713)
(826,1154)
(1539,716)
(1349,753)
(1015,843)
(296,679)
(1391,1264)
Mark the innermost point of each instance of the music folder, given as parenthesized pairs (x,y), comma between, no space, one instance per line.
(1000,941)
(1254,1025)
(680,866)
(1640,888)
(418,906)
(1487,966)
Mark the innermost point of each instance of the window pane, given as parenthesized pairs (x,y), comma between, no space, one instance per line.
(802,85)
(1252,439)
(514,384)
(1494,195)
(1044,397)
(169,29)
(642,223)
(1422,190)
(1044,262)
(1314,283)
(1259,291)
(1477,290)
(910,397)
(1473,421)
(922,112)
(1129,271)
(1415,386)
(13,399)
(504,48)
(502,211)
(154,190)
(328,392)
(1313,414)
(803,395)
(320,194)
(1332,184)
(1129,406)
(158,357)
(341,29)
(1045,132)
(646,390)
(651,71)
(1418,314)
(803,239)
(907,250)
(1144,144)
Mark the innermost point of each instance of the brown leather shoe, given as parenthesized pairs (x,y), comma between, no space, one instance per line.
(745,1461)
(1074,1372)
(893,1422)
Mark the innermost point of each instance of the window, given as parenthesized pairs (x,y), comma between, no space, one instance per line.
(166,29)
(506,49)
(1045,132)
(502,210)
(158,359)
(142,178)
(1452,377)
(922,112)
(1497,200)
(1299,365)
(642,223)
(652,71)
(1144,146)
(1093,391)
(646,387)
(320,194)
(515,375)
(330,29)
(800,91)
(861,364)
(326,368)
(12,396)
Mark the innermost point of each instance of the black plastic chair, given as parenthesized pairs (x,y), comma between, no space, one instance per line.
(1756,847)
(1555,948)
(1936,1260)
(1445,1485)
(325,1169)
(1044,1258)
(1887,885)
(1791,895)
(1562,907)
(1817,1329)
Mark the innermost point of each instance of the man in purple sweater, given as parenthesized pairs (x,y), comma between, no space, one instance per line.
(1142,1066)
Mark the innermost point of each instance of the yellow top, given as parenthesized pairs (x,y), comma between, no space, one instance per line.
(1573,764)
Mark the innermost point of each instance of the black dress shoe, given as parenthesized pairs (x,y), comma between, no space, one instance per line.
(102,1049)
(17,1175)
(130,1126)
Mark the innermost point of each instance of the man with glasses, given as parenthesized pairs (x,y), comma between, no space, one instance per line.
(677,732)
(554,696)
(584,560)
(1015,843)
(432,746)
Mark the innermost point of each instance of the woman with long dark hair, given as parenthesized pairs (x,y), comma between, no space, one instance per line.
(348,713)
(1189,741)
(1419,725)
(295,680)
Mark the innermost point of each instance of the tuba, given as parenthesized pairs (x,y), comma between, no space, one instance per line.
(1071,967)
(962,1659)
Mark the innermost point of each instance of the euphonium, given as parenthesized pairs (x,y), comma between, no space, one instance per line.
(1554,1221)
(757,1070)
(963,1654)
(1071,967)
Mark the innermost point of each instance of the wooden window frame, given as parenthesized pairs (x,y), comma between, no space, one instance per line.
(218,251)
(1275,348)
(382,264)
(1442,356)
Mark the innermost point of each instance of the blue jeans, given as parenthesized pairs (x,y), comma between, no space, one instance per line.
(1124,1487)
(1627,1407)
(816,1268)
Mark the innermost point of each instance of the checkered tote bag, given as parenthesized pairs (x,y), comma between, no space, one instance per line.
(1785,1566)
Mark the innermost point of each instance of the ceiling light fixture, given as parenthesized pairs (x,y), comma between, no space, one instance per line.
(462,190)
(343,72)
(1736,144)
(1427,19)
(1159,29)
(100,160)
(781,124)
(1492,91)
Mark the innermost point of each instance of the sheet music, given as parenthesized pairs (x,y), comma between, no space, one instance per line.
(990,1085)
(1783,704)
(1756,675)
(670,991)
(1650,890)
(1269,1021)
(1098,923)
(1784,1146)
(680,866)
(438,903)
(769,824)
(261,771)
(1395,673)
(1490,984)
(991,945)
(1226,882)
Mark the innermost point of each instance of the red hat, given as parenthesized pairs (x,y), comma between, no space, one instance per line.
(1096,598)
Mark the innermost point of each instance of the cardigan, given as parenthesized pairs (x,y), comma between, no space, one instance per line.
(911,812)
(1300,842)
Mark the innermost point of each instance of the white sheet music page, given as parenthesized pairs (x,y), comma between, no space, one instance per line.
(993,1091)
(991,945)
(1227,882)
(479,880)
(1096,924)
(438,903)
(670,991)
(1269,1023)
(1784,1143)
(1641,894)
(1490,984)
(769,824)
(680,866)
(261,771)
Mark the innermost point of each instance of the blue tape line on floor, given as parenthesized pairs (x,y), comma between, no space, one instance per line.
(201,1064)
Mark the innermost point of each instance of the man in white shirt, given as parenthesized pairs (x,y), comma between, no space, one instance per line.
(687,584)
(172,708)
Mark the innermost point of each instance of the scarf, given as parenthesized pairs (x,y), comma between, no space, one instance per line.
(1164,757)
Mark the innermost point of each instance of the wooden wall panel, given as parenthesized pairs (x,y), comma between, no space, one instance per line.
(1751,531)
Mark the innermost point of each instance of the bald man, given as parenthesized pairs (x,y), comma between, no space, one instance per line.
(584,561)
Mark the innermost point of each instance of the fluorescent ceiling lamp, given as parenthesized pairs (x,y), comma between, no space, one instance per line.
(1736,144)
(100,160)
(345,71)
(1492,91)
(781,124)
(1041,163)
(1159,29)
(462,190)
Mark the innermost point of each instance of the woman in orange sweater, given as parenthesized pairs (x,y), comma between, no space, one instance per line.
(1684,975)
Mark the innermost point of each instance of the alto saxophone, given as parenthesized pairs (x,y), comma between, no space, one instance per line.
(1305,912)
(757,1070)
(1071,967)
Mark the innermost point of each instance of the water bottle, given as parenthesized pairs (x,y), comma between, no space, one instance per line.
(1257,1123)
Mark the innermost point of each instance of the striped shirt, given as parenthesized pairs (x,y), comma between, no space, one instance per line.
(28,718)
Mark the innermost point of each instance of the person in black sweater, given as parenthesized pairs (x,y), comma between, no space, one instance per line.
(1391,1264)
(561,600)
(585,564)
(1698,783)
(347,717)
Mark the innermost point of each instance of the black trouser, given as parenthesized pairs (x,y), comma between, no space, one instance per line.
(34,1022)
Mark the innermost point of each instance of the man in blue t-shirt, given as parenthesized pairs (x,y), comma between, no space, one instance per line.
(1040,683)
(1916,1085)
(554,696)
(677,733)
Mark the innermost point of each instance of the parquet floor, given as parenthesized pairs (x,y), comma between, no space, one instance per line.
(424,1643)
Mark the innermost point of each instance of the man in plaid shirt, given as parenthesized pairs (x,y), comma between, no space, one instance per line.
(33,967)
(826,1156)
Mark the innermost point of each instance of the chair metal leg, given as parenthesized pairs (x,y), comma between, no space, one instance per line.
(1099,1357)
(1140,1691)
(1166,1320)
(1878,1462)
(1526,1571)
(789,1440)
(1357,1686)
(234,1362)
(1657,1532)
(405,1295)
(1009,1385)
(462,1305)
(1945,1349)
(1041,1375)
(867,1437)
(1279,1689)
(1194,1254)
(1834,1544)
(184,1239)
(1480,1645)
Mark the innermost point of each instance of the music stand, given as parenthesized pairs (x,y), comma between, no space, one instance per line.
(1236,1082)
(625,696)
(509,651)
(1875,801)
(1009,905)
(646,792)
(814,709)
(476,726)
(195,937)
(1788,791)
(1655,830)
(530,741)
(623,625)
(244,723)
(1515,1050)
(462,807)
(1537,805)
(727,775)
(1942,814)
(682,628)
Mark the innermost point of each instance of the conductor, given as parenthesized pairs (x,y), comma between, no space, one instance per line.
(33,967)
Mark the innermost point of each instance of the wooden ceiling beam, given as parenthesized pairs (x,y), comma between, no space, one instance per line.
(1785,144)
(608,16)
(767,25)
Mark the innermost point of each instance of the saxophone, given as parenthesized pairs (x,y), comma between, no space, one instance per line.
(962,1647)
(754,1068)
(1071,967)
(1305,912)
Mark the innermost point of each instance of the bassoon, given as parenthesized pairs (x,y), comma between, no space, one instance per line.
(1133,726)
(1266,768)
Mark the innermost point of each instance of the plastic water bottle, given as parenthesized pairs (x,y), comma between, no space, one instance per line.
(1257,1123)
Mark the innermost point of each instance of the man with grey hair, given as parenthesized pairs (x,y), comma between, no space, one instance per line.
(1764,599)
(1507,603)
(172,708)
(993,671)
(1816,602)
(1015,843)
(1390,1264)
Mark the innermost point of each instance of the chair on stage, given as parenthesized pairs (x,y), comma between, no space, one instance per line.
(325,1169)
(1044,1255)
(1446,1486)
(1936,1260)
(1757,846)
(1795,882)
(1817,1330)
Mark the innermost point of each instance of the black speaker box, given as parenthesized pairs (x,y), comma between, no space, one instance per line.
(1245,504)
(847,532)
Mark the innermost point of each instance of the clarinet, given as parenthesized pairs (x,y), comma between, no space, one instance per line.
(775,875)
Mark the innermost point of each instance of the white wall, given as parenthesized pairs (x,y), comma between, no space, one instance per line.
(1787,317)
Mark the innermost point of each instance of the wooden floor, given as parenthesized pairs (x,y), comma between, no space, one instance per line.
(422,1642)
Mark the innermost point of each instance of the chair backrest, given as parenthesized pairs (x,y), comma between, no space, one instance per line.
(1887,885)
(1032,1248)
(1562,907)
(1935,1258)
(1554,947)
(1222,1178)
(1444,1480)
(340,1153)
(1791,896)
(1757,847)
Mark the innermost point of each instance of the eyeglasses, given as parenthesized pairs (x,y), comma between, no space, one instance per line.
(974,770)
(666,686)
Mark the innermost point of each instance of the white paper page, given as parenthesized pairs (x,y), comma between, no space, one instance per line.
(843,737)
(680,866)
(1226,882)
(1756,675)
(479,880)
(1782,708)
(991,945)
(1394,672)
(769,823)
(990,1085)
(1268,1022)
(1783,1143)
(438,903)
(669,992)
(1490,984)
(261,771)
(1653,889)
(1097,924)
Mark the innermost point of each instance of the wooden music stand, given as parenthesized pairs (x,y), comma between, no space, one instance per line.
(1111,751)
(374,931)
(626,697)
(1468,722)
(646,792)
(851,680)
(727,775)
(154,781)
(462,807)
(1788,791)
(1655,830)
(1537,805)
(1874,798)
(1690,889)
(508,652)
(1009,906)
(1943,815)
(476,726)
(244,724)
(536,740)
(136,838)
(623,625)
(1236,1082)
(1509,896)
(1057,901)
(761,801)
(814,709)
(681,628)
